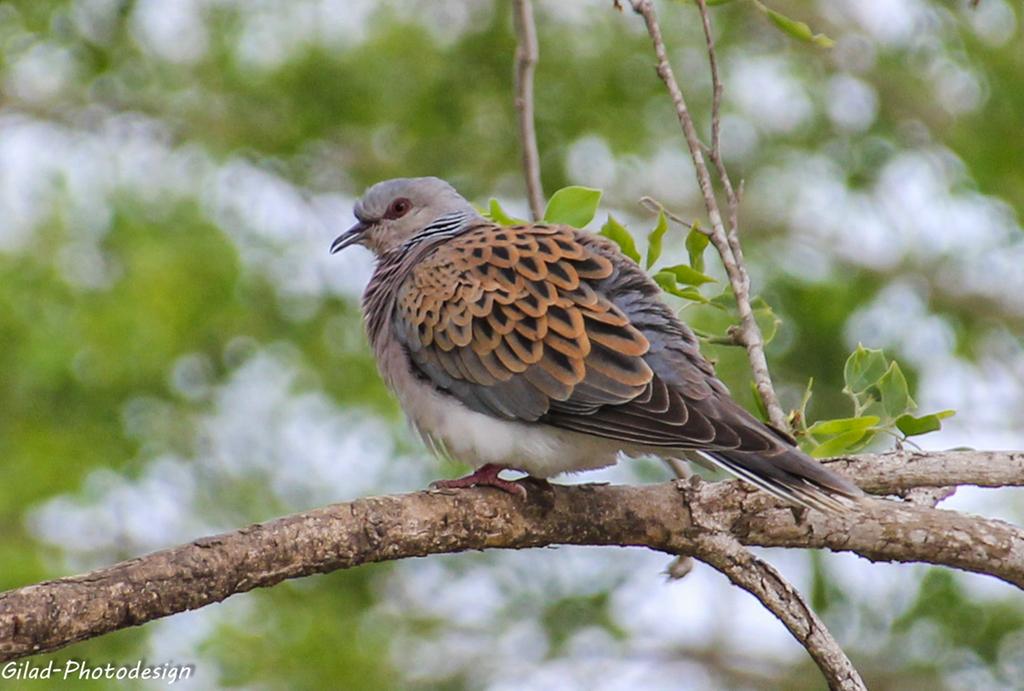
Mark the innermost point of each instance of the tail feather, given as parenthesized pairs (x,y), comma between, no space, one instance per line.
(792,476)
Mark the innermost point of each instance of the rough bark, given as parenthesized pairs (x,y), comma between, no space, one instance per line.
(677,518)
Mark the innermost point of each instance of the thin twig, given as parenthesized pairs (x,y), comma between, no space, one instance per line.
(726,243)
(652,204)
(682,565)
(715,150)
(759,578)
(679,467)
(527,54)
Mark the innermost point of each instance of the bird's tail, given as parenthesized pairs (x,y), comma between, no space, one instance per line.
(792,476)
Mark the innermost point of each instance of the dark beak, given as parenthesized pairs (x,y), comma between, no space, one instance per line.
(349,237)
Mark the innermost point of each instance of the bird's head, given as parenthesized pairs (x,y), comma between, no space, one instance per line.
(392,211)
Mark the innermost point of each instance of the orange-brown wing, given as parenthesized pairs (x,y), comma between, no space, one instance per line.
(508,321)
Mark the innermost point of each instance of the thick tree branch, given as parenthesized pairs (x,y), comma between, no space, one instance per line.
(676,518)
(527,54)
(725,242)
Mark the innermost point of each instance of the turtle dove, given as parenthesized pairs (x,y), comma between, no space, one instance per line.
(542,348)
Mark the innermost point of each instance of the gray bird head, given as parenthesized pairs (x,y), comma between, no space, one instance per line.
(393,211)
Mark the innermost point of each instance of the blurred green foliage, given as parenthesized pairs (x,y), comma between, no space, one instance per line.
(400,96)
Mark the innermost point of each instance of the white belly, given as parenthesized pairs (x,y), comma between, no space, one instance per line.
(477,439)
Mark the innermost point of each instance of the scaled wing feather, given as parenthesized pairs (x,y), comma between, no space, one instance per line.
(508,321)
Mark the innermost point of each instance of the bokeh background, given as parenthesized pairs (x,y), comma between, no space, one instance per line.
(180,355)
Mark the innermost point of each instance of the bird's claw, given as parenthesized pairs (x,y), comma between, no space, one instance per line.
(484,476)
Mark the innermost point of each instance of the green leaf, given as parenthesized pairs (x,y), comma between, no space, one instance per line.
(574,206)
(766,318)
(839,444)
(667,281)
(691,294)
(724,301)
(863,368)
(795,28)
(798,418)
(912,426)
(499,216)
(689,276)
(655,238)
(843,425)
(617,233)
(895,392)
(758,401)
(696,243)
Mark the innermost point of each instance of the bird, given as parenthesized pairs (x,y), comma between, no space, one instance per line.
(541,348)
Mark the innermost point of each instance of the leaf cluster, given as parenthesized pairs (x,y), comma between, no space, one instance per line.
(882,404)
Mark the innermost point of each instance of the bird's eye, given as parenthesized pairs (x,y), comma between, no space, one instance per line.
(400,207)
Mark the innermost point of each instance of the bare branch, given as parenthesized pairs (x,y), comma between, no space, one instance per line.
(671,517)
(886,532)
(763,581)
(715,152)
(891,473)
(527,54)
(652,204)
(682,565)
(725,242)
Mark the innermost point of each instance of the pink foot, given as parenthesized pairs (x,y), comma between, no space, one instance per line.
(484,476)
